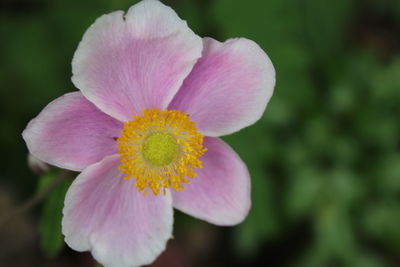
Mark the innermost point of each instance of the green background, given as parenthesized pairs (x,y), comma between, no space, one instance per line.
(324,158)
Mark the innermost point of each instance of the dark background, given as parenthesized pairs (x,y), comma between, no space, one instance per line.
(324,159)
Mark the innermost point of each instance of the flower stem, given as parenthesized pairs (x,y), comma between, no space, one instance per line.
(36,199)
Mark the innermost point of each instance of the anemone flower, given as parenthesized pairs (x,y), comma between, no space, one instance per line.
(143,131)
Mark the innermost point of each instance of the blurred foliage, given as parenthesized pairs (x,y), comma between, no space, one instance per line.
(324,159)
(51,238)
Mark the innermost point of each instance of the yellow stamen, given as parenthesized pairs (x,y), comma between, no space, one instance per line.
(160,150)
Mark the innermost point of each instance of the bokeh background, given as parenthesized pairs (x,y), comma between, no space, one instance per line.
(324,159)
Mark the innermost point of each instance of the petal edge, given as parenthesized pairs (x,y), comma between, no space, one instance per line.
(71,133)
(228,88)
(220,194)
(124,65)
(106,214)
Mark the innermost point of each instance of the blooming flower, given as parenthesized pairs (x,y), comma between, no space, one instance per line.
(143,131)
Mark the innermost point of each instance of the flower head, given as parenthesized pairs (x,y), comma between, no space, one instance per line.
(143,131)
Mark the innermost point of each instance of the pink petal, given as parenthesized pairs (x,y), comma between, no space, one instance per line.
(72,133)
(106,214)
(229,87)
(125,65)
(220,194)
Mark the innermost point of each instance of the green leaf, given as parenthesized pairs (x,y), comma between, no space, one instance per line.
(381,220)
(335,237)
(51,238)
(325,26)
(388,174)
(304,192)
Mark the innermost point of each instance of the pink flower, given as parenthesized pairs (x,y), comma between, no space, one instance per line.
(153,99)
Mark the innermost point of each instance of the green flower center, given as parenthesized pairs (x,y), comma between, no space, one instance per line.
(160,149)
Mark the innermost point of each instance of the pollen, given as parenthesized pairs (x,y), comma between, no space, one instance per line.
(160,150)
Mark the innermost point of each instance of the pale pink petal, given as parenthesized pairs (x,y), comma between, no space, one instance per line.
(228,88)
(106,214)
(72,133)
(125,64)
(220,194)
